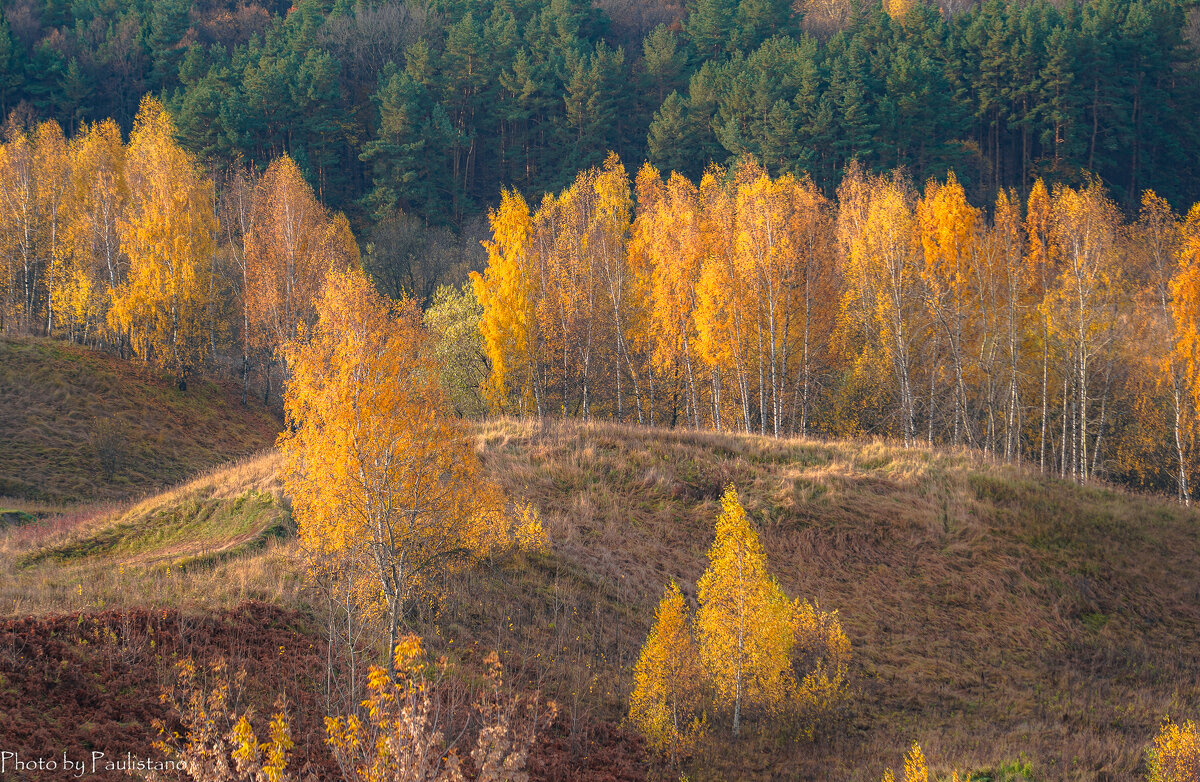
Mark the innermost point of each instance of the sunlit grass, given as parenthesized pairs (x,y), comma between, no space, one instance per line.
(1003,619)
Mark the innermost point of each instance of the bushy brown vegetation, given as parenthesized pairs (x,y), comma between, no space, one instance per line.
(417,725)
(84,682)
(92,681)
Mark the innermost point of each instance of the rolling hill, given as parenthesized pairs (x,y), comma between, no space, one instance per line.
(77,425)
(1017,626)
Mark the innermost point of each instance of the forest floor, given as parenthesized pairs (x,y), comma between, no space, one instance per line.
(1016,626)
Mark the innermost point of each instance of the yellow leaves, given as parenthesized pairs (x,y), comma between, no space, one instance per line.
(1175,754)
(528,532)
(408,653)
(898,9)
(1039,252)
(1083,229)
(742,650)
(915,768)
(380,471)
(948,226)
(220,738)
(403,734)
(505,291)
(665,704)
(1185,300)
(168,233)
(743,626)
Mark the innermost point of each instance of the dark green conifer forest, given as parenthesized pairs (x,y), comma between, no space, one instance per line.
(430,108)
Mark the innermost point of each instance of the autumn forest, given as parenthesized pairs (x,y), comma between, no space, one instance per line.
(513,390)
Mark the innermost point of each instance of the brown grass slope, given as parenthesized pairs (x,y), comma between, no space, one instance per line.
(55,396)
(999,618)
(209,544)
(995,615)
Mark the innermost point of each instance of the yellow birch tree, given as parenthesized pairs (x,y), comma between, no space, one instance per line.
(506,292)
(168,234)
(666,702)
(98,197)
(377,465)
(292,243)
(744,625)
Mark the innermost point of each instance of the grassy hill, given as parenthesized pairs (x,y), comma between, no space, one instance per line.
(78,425)
(1017,626)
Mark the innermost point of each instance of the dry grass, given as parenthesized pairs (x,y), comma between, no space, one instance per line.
(997,617)
(994,614)
(66,408)
(210,543)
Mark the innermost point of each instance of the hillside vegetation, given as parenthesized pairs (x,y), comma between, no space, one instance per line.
(78,425)
(1012,624)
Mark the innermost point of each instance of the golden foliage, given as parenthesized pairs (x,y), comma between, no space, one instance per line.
(505,291)
(744,624)
(220,743)
(1175,754)
(898,9)
(402,737)
(293,242)
(528,532)
(377,466)
(749,648)
(665,706)
(916,769)
(168,233)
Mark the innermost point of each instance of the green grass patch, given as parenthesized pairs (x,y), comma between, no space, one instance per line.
(198,528)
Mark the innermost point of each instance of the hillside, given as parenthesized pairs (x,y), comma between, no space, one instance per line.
(78,425)
(998,618)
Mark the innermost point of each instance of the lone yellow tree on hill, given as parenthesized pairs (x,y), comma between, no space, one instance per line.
(376,465)
(748,645)
(744,626)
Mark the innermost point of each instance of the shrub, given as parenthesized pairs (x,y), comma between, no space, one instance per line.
(1175,754)
(220,744)
(528,532)
(402,737)
(110,443)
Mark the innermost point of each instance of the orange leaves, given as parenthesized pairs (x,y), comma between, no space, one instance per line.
(751,300)
(555,293)
(292,243)
(948,227)
(34,183)
(1185,300)
(379,470)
